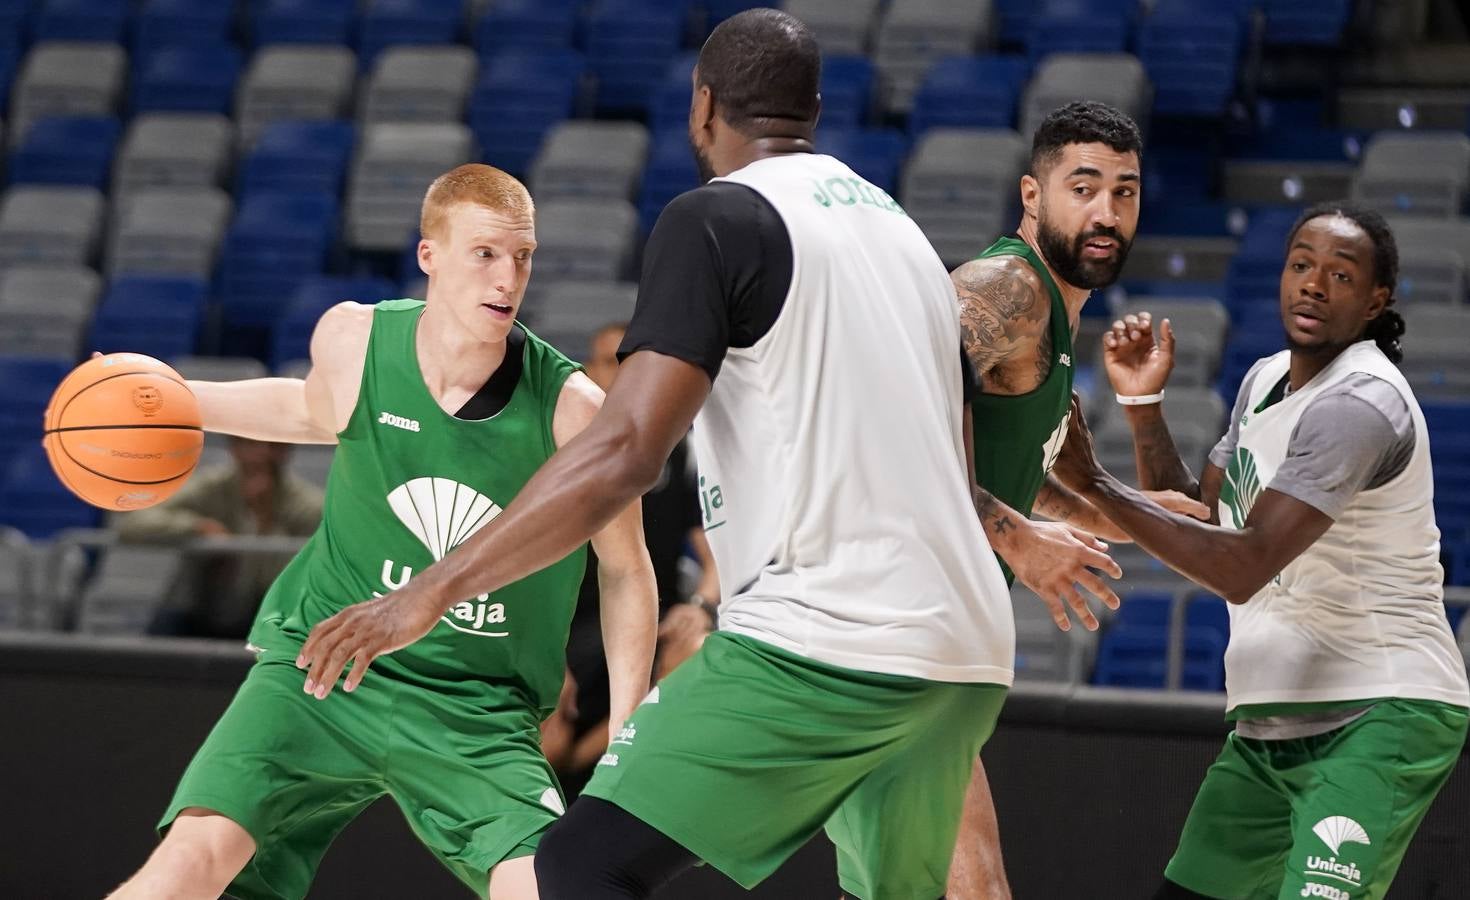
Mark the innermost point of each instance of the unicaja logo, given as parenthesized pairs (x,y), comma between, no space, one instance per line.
(442,514)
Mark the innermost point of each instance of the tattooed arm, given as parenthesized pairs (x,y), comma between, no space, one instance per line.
(1004,312)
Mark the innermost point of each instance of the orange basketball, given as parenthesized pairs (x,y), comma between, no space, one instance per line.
(123,431)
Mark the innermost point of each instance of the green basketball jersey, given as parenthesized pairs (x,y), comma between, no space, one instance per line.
(1017,438)
(409,483)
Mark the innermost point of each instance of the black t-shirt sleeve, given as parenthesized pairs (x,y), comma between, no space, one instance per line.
(716,272)
(967,377)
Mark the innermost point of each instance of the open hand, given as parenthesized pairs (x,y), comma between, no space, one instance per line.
(1136,365)
(360,634)
(1052,559)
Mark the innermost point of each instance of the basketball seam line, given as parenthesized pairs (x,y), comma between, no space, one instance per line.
(114,427)
(61,413)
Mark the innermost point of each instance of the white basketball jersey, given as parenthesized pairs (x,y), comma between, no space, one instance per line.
(1360,614)
(845,530)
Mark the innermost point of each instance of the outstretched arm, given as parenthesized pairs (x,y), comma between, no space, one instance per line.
(1234,563)
(293,410)
(575,494)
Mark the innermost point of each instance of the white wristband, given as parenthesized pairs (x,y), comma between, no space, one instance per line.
(1139,400)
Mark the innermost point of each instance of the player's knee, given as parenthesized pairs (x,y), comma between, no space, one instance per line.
(209,845)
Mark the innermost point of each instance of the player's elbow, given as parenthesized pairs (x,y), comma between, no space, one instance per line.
(628,467)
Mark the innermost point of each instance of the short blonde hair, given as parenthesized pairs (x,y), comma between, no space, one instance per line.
(474,183)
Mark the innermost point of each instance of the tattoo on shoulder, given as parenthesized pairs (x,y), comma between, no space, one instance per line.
(1001,308)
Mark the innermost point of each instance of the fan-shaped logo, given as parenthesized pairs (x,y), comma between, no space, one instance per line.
(442,514)
(1241,487)
(1338,830)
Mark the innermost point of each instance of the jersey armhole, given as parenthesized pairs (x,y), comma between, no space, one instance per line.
(353,427)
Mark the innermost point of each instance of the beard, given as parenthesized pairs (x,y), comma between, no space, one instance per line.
(1065,256)
(702,163)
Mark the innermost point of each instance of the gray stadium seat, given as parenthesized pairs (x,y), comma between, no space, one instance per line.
(1114,78)
(1425,232)
(296,368)
(294,81)
(1431,275)
(50,225)
(128,589)
(586,239)
(16,578)
(311,462)
(1044,652)
(914,34)
(419,84)
(1434,351)
(168,230)
(45,309)
(67,78)
(960,187)
(1266,182)
(567,314)
(1372,108)
(219,368)
(1160,257)
(395,164)
(174,149)
(590,159)
(1196,417)
(842,27)
(1424,172)
(1199,326)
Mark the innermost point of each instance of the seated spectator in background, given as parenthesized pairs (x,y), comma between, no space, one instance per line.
(574,738)
(252,495)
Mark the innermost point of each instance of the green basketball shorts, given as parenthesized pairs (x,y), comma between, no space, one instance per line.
(293,771)
(745,751)
(1324,816)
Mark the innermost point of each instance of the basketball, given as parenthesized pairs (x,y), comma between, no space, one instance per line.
(123,431)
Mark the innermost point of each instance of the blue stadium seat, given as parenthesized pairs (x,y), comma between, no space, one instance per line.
(629,46)
(275,240)
(10,56)
(15,16)
(1314,23)
(669,105)
(301,21)
(1179,170)
(67,150)
(847,91)
(1256,269)
(518,97)
(1191,60)
(671,171)
(1080,26)
(29,382)
(299,156)
(873,153)
(969,92)
(1014,21)
(526,25)
(196,78)
(80,20)
(163,23)
(159,316)
(1133,651)
(1190,218)
(291,337)
(385,23)
(720,10)
(35,501)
